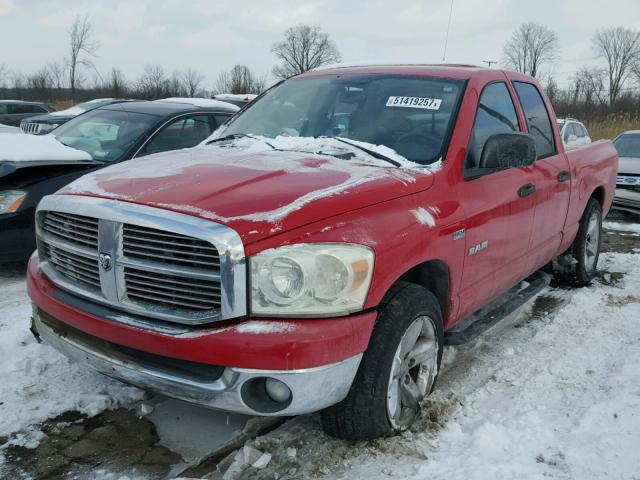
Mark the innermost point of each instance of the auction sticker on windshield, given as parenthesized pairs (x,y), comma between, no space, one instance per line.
(415,102)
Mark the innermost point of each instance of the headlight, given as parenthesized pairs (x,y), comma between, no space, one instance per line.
(10,200)
(310,280)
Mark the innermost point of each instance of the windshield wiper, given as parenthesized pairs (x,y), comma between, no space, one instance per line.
(238,135)
(368,151)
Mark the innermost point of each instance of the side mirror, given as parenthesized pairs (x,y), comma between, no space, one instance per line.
(508,150)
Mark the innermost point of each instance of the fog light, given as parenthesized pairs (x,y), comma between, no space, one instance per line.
(277,390)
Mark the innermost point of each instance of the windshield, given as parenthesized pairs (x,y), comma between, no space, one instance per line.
(105,134)
(411,115)
(628,145)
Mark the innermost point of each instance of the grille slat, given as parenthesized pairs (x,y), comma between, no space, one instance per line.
(172,280)
(132,237)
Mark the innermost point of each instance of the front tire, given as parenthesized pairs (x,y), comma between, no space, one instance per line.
(577,266)
(398,369)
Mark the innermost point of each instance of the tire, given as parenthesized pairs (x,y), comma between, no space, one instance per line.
(577,266)
(386,377)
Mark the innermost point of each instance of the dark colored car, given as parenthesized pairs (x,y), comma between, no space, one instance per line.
(41,124)
(109,135)
(12,112)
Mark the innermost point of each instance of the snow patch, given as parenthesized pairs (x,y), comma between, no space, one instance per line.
(264,327)
(622,227)
(424,217)
(201,102)
(32,148)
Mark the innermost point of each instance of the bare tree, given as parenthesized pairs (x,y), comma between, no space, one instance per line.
(619,47)
(153,83)
(240,80)
(191,81)
(57,73)
(82,46)
(4,75)
(304,48)
(531,45)
(590,85)
(117,83)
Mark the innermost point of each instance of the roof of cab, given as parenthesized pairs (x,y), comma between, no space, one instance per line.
(456,71)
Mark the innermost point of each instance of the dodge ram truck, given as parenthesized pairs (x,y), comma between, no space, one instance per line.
(321,247)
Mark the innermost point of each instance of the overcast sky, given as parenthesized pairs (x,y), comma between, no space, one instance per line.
(211,35)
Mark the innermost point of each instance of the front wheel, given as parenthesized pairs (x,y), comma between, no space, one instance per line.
(578,265)
(398,370)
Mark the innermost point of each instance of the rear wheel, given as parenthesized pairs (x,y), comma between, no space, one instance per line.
(578,265)
(398,370)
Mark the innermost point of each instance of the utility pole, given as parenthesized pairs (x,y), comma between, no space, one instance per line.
(489,62)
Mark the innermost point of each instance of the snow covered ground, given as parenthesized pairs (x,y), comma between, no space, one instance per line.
(552,393)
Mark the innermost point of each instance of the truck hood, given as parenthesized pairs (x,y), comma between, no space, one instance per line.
(629,165)
(257,193)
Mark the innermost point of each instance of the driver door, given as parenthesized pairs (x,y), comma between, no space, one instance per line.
(498,210)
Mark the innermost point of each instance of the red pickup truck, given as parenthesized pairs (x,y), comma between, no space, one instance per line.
(321,248)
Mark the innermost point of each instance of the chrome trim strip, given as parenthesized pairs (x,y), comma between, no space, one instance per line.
(112,214)
(313,389)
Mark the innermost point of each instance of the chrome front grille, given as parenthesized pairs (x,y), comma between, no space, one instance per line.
(30,127)
(142,260)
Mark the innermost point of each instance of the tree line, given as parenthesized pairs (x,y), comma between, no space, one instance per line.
(76,77)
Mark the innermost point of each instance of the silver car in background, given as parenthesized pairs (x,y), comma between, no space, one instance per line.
(627,196)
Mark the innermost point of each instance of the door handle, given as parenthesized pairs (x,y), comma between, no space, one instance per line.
(564,176)
(526,190)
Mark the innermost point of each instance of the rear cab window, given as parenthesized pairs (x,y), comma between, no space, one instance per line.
(537,116)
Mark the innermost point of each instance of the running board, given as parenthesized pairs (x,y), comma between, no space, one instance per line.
(503,306)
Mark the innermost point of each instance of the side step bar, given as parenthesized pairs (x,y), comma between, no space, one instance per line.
(485,318)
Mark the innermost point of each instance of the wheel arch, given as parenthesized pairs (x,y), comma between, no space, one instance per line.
(598,194)
(433,275)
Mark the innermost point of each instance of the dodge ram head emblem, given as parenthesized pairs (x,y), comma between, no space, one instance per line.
(105,261)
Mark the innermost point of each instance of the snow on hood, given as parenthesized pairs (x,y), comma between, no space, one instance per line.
(32,148)
(9,129)
(250,182)
(320,146)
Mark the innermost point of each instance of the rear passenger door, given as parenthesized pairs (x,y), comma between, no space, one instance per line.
(499,218)
(550,177)
(183,132)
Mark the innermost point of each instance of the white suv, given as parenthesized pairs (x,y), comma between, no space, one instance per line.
(574,133)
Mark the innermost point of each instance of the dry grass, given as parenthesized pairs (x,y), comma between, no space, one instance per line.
(612,125)
(62,104)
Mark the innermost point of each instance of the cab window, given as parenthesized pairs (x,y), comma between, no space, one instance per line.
(496,114)
(183,132)
(538,121)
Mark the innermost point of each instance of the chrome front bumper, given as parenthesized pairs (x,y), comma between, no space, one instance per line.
(626,200)
(312,389)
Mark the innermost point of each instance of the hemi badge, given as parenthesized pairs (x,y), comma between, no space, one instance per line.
(458,234)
